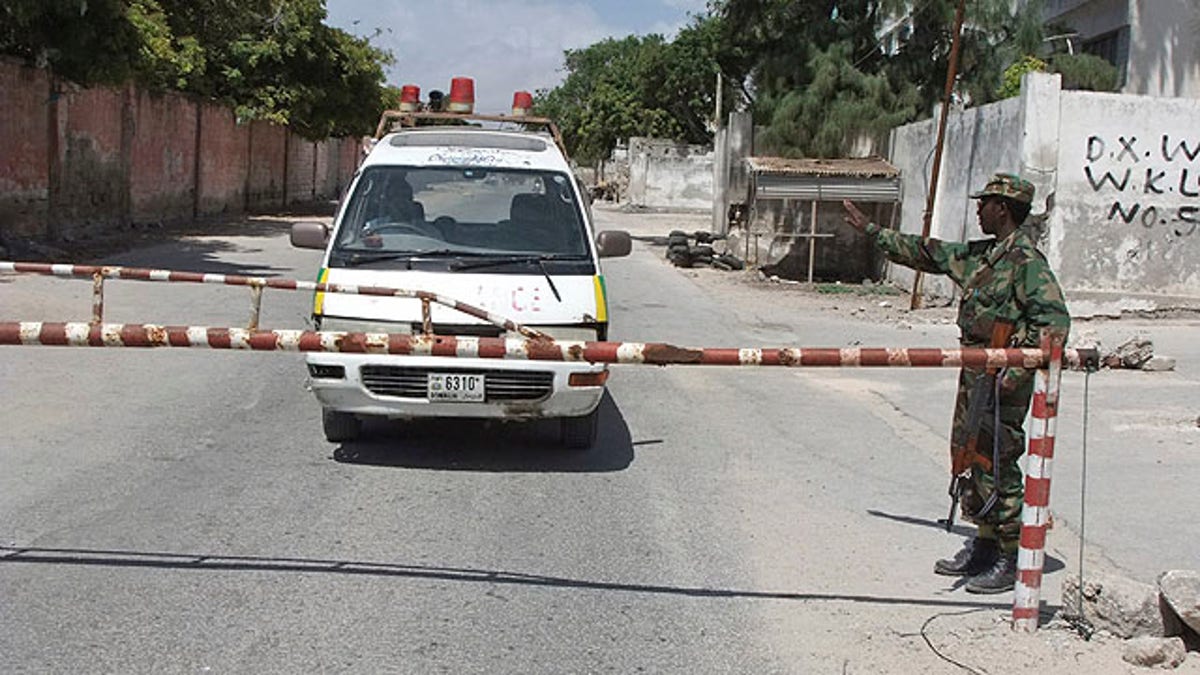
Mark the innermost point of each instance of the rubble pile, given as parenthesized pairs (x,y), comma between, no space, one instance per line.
(1136,353)
(1160,622)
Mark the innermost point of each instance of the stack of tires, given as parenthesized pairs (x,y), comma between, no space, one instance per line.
(696,250)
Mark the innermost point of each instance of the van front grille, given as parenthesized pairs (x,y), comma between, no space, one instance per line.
(499,385)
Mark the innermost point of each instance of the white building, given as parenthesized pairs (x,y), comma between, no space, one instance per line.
(1155,44)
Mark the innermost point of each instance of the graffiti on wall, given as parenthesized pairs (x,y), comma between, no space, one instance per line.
(1153,183)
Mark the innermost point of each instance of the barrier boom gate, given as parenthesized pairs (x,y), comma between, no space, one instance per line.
(1048,360)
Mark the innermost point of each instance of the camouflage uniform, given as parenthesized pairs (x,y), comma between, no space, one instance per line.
(1005,280)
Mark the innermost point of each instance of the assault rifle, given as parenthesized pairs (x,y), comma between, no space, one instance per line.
(983,398)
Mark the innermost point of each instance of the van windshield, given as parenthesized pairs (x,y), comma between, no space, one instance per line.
(397,210)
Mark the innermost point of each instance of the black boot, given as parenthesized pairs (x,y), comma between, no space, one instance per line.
(976,556)
(1000,578)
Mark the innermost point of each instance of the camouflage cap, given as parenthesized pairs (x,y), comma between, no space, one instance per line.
(1007,185)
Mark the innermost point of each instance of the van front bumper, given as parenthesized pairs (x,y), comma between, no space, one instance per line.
(394,386)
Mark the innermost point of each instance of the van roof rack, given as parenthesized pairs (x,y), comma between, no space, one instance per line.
(393,120)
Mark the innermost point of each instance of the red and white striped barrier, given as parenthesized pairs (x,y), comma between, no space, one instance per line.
(1048,359)
(1035,516)
(256,284)
(537,349)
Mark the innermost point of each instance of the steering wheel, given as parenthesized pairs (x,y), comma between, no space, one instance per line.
(444,225)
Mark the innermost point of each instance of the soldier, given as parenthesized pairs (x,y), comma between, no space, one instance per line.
(1006,283)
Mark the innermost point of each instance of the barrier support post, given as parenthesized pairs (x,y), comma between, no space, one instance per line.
(98,298)
(256,293)
(1035,516)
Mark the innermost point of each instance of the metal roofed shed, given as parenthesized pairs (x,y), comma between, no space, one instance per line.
(782,190)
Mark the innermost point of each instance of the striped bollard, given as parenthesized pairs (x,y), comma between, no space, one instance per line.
(1035,516)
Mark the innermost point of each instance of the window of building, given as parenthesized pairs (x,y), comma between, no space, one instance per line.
(1112,47)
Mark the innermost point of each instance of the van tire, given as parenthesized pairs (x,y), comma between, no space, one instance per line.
(340,426)
(579,433)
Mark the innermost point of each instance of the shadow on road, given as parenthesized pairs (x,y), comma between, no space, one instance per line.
(477,445)
(962,530)
(1051,564)
(185,252)
(10,555)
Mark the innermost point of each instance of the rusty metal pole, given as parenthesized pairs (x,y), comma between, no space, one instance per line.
(951,74)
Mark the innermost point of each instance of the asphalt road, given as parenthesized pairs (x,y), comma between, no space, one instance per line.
(180,511)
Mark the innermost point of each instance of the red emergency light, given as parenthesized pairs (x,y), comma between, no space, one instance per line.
(522,103)
(462,95)
(410,98)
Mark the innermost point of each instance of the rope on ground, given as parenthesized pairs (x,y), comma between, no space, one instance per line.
(940,655)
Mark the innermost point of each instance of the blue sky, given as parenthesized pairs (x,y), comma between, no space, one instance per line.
(505,45)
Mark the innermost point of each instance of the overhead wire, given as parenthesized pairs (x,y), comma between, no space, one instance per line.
(1079,622)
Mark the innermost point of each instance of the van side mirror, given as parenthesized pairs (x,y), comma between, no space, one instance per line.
(310,235)
(614,243)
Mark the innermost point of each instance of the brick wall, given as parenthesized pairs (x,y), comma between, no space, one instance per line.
(24,149)
(162,178)
(224,159)
(89,174)
(301,173)
(78,162)
(268,154)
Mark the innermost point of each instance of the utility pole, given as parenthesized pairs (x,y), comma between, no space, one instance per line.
(951,75)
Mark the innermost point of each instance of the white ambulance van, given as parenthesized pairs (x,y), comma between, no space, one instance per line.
(490,217)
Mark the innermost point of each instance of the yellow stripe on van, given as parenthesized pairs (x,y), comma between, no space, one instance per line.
(601,299)
(319,298)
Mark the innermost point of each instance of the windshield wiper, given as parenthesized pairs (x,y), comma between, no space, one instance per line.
(502,259)
(354,257)
(519,259)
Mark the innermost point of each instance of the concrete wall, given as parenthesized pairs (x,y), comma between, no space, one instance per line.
(732,144)
(1118,188)
(979,142)
(76,162)
(668,175)
(1128,194)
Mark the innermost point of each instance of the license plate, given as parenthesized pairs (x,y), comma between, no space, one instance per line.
(455,387)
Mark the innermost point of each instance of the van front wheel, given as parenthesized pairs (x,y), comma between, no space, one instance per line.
(579,433)
(340,426)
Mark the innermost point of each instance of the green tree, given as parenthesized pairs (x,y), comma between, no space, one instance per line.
(839,106)
(634,86)
(1085,71)
(784,54)
(1011,84)
(812,73)
(88,41)
(163,61)
(270,59)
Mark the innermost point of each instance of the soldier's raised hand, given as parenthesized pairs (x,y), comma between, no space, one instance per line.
(856,218)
